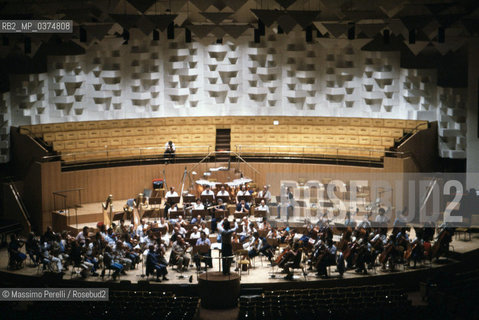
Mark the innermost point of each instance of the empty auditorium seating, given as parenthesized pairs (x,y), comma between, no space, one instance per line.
(325,303)
(315,136)
(121,305)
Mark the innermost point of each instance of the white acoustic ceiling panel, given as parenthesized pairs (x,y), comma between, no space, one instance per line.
(452,122)
(281,75)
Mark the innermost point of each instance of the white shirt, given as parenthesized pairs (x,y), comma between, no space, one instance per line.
(222,193)
(139,230)
(197,206)
(263,208)
(381,218)
(208,193)
(205,230)
(172,209)
(242,193)
(167,145)
(195,235)
(266,195)
(171,194)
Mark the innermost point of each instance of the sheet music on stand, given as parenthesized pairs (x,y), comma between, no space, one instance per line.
(207,198)
(226,199)
(245,198)
(257,201)
(173,200)
(189,199)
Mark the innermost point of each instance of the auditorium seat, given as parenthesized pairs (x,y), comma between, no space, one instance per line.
(315,136)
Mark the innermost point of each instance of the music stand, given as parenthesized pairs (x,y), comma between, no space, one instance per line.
(173,200)
(226,199)
(154,200)
(257,201)
(260,213)
(147,214)
(189,199)
(195,213)
(175,214)
(118,216)
(246,199)
(207,198)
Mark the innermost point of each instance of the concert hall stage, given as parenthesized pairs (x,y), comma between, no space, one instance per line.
(259,276)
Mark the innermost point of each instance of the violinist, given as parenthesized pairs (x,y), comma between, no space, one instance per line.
(121,228)
(154,263)
(253,246)
(82,235)
(195,233)
(141,229)
(178,255)
(218,211)
(206,257)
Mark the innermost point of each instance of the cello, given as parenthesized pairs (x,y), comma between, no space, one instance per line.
(444,235)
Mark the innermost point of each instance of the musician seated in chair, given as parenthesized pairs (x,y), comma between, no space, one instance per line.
(195,233)
(16,257)
(260,245)
(208,192)
(178,254)
(326,256)
(223,192)
(217,213)
(32,247)
(265,194)
(154,263)
(242,207)
(290,259)
(206,257)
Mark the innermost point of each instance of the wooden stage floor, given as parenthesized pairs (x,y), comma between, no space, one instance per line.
(260,273)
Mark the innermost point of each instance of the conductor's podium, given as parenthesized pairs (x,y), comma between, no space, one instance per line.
(219,291)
